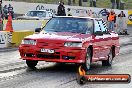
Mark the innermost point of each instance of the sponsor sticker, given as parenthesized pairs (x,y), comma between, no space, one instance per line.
(82,78)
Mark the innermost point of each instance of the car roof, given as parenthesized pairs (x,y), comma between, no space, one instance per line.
(78,17)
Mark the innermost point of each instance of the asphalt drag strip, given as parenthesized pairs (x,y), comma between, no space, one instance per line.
(19,76)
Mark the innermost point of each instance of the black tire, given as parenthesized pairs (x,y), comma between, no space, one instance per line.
(31,63)
(88,59)
(60,63)
(81,80)
(108,62)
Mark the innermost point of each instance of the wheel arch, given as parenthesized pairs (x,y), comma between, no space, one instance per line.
(91,48)
(113,50)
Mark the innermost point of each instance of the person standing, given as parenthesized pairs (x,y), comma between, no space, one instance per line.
(61,9)
(94,3)
(10,10)
(1,21)
(117,4)
(5,12)
(111,20)
(122,23)
(103,13)
(113,2)
(91,3)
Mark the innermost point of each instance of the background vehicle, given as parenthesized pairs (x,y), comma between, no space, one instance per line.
(71,40)
(36,15)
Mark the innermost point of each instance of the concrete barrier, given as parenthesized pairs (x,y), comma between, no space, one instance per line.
(5,39)
(18,36)
(11,39)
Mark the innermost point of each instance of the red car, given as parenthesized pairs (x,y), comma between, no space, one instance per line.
(71,40)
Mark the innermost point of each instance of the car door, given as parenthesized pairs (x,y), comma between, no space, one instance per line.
(106,43)
(97,41)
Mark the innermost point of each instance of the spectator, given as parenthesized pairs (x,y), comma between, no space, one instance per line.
(111,20)
(117,4)
(94,3)
(122,14)
(113,2)
(10,10)
(1,22)
(91,3)
(104,13)
(5,12)
(122,23)
(61,9)
(69,12)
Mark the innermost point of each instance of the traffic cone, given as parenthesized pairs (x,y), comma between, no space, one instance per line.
(9,24)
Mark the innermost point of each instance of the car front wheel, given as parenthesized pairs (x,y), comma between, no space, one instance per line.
(31,63)
(87,64)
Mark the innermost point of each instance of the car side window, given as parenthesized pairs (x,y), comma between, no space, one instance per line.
(90,26)
(97,27)
(86,27)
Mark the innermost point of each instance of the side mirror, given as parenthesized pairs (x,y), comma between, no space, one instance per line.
(99,33)
(37,30)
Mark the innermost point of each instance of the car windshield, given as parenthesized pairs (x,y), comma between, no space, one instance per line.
(67,24)
(37,13)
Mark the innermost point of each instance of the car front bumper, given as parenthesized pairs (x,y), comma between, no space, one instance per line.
(63,54)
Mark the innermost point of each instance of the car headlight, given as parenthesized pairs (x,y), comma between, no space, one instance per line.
(73,44)
(31,42)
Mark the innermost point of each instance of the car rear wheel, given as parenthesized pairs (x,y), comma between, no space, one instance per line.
(31,63)
(87,64)
(108,62)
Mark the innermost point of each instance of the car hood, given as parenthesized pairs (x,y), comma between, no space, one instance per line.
(61,36)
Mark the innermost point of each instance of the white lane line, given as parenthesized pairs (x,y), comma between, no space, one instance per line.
(10,74)
(20,71)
